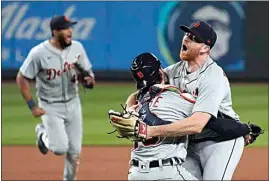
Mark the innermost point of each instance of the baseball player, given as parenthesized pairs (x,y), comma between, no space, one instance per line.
(51,63)
(158,158)
(209,158)
(167,102)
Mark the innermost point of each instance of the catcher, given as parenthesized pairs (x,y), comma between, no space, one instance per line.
(170,104)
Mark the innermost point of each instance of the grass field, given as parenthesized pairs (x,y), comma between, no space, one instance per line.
(250,102)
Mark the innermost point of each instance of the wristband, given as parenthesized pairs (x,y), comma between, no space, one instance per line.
(31,104)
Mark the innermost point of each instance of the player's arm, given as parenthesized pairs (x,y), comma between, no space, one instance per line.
(29,70)
(131,101)
(211,93)
(23,84)
(90,80)
(188,126)
(228,128)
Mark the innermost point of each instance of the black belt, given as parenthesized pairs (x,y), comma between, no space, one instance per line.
(155,163)
(62,101)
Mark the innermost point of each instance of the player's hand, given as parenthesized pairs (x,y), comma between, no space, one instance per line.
(247,139)
(132,108)
(255,132)
(37,111)
(89,80)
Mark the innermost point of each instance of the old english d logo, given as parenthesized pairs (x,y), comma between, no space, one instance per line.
(140,75)
(196,25)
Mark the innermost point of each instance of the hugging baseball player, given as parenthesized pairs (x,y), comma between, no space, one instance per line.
(161,158)
(58,65)
(200,76)
(157,158)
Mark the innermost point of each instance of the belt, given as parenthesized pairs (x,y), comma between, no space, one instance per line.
(62,101)
(156,163)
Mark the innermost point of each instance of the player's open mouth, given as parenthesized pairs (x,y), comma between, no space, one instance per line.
(184,47)
(68,38)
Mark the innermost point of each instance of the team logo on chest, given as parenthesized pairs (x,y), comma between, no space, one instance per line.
(52,73)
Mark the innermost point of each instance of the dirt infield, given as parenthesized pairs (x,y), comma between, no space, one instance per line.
(104,163)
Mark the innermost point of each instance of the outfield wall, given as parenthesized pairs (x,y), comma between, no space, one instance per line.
(113,33)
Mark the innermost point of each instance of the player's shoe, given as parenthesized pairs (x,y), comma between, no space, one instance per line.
(39,142)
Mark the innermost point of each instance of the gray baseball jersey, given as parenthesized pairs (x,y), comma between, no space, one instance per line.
(169,106)
(209,85)
(57,92)
(52,68)
(211,88)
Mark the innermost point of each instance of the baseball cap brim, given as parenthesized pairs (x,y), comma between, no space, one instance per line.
(188,30)
(185,29)
(65,25)
(71,23)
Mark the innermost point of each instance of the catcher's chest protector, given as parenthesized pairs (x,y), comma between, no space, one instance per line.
(145,113)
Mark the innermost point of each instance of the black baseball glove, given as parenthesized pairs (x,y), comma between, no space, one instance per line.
(254,132)
(82,73)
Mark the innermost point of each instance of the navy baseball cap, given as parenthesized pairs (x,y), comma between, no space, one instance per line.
(202,31)
(60,22)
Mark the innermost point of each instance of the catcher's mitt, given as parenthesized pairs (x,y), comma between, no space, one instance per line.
(254,132)
(128,125)
(82,73)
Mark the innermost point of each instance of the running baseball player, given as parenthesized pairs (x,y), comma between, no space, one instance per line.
(53,65)
(209,158)
(166,102)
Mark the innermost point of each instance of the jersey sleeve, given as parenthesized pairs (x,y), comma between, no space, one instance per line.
(85,61)
(211,92)
(168,70)
(30,66)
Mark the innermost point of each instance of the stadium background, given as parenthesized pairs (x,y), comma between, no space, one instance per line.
(113,33)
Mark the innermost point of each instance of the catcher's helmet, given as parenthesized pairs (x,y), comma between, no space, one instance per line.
(145,70)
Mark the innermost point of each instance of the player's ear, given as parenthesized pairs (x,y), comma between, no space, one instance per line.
(205,49)
(163,76)
(54,32)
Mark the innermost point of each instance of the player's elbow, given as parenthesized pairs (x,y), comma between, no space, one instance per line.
(19,79)
(197,129)
(22,82)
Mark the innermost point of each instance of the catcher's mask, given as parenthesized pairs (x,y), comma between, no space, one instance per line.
(145,70)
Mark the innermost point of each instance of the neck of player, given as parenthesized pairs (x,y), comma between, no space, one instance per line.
(56,43)
(197,63)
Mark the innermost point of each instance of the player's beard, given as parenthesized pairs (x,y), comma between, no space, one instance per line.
(62,42)
(189,55)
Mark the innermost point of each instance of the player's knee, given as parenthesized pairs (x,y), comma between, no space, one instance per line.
(60,150)
(74,157)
